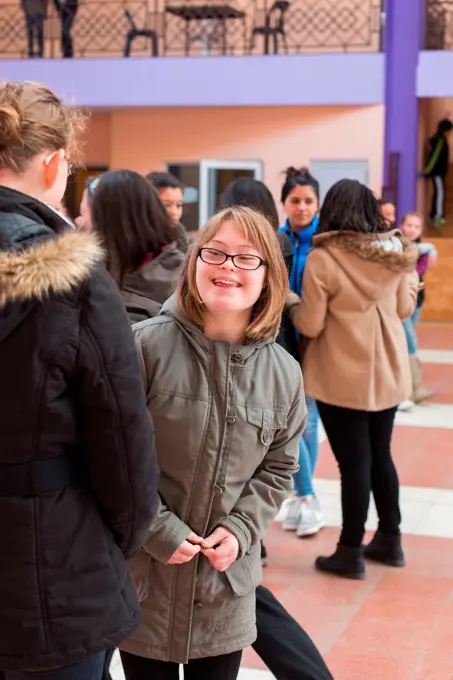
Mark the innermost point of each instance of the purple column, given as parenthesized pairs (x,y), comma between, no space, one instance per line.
(405,20)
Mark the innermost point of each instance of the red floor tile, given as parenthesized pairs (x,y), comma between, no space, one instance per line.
(395,625)
(435,335)
(356,666)
(423,457)
(439,377)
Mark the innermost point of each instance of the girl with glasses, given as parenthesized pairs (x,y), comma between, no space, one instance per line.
(228,408)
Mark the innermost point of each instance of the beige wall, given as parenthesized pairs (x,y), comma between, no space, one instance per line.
(146,139)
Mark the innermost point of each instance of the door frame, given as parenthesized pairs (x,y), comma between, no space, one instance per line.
(207,164)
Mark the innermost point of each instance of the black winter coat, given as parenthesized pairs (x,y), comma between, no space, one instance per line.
(78,475)
(286,335)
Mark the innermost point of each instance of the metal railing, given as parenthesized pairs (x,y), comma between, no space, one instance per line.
(439,25)
(100,27)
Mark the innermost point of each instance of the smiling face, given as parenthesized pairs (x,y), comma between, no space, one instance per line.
(301,206)
(412,227)
(388,211)
(225,287)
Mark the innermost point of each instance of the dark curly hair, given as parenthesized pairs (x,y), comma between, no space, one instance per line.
(298,178)
(351,206)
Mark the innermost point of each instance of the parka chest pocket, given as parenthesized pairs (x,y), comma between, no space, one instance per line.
(267,420)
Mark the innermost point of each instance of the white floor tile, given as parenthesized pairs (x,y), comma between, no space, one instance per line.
(428,415)
(436,356)
(249,674)
(438,521)
(425,511)
(116,671)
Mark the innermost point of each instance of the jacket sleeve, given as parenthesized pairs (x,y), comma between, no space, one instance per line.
(117,429)
(166,533)
(272,482)
(437,144)
(309,316)
(407,294)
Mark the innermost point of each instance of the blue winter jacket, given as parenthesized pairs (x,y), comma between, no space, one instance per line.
(302,242)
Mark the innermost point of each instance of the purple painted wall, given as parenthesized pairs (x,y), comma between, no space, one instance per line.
(304,79)
(403,34)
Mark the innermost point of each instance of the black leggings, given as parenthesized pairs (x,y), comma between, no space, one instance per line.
(360,442)
(225,667)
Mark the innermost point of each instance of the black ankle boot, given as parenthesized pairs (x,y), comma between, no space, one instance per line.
(385,548)
(345,561)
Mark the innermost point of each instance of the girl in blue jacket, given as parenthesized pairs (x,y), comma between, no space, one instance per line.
(300,199)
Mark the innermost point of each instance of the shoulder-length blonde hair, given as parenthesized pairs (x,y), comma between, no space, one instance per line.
(267,311)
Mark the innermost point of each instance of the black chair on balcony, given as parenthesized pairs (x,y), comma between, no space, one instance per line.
(135,32)
(274,26)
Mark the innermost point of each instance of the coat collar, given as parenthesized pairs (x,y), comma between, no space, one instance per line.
(170,308)
(373,247)
(54,264)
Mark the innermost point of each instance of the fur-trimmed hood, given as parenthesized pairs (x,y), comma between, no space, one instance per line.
(371,260)
(54,265)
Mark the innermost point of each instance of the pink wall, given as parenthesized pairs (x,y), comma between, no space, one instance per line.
(97,149)
(145,139)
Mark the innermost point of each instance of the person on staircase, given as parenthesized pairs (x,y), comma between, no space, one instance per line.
(412,227)
(300,199)
(437,169)
(359,283)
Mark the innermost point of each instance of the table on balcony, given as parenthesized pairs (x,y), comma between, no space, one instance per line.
(210,16)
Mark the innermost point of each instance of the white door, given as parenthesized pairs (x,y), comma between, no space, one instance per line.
(329,172)
(216,175)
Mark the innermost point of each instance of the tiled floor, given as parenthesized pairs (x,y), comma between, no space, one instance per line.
(397,624)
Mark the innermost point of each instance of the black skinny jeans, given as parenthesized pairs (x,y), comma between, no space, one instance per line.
(360,442)
(225,667)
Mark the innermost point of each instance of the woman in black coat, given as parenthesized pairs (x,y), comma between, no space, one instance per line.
(78,474)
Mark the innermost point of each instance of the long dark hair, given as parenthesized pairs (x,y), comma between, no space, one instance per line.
(351,206)
(131,220)
(251,193)
(298,177)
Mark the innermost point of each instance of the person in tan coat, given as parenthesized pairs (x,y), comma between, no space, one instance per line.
(359,283)
(228,410)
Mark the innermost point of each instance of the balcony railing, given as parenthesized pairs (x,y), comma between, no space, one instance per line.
(203,27)
(439,25)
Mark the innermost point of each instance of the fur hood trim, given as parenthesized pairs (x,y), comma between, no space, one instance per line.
(56,265)
(373,248)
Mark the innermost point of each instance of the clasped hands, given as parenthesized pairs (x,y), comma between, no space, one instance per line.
(221,548)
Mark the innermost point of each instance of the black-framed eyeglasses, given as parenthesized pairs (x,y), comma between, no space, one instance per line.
(242,261)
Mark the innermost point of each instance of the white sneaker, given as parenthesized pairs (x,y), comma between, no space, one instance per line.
(406,406)
(292,519)
(311,518)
